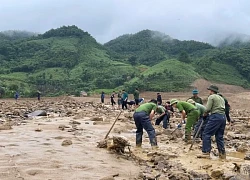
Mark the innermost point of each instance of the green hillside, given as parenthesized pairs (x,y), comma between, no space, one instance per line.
(69,60)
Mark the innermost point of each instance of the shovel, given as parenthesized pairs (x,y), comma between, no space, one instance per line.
(197,133)
(113,125)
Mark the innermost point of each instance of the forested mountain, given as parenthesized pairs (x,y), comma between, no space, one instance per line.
(151,47)
(69,60)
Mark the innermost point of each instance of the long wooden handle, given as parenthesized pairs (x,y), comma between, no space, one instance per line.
(197,133)
(113,125)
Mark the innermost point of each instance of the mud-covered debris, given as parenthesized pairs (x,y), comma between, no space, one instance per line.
(242,148)
(217,173)
(236,167)
(102,144)
(247,156)
(96,119)
(207,166)
(66,142)
(197,175)
(75,122)
(38,130)
(176,175)
(118,144)
(61,127)
(5,127)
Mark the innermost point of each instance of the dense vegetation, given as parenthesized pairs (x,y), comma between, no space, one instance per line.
(69,60)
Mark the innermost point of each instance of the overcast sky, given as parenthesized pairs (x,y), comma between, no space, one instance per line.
(203,20)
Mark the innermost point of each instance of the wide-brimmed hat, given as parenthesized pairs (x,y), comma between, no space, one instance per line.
(173,101)
(213,88)
(191,101)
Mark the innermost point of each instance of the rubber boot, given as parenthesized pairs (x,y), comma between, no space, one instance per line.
(188,138)
(154,143)
(222,155)
(204,155)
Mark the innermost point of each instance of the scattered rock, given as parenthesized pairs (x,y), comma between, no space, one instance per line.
(34,172)
(217,173)
(5,127)
(247,156)
(242,148)
(38,113)
(206,166)
(66,142)
(97,119)
(62,127)
(38,130)
(75,122)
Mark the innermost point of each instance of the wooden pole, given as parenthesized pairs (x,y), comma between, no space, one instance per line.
(113,125)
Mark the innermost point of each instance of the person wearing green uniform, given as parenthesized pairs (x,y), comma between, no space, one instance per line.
(124,99)
(195,96)
(188,110)
(202,110)
(164,116)
(136,97)
(143,116)
(215,125)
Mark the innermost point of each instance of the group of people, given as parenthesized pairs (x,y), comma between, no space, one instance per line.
(122,99)
(212,117)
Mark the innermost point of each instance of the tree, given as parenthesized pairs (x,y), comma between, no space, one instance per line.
(132,60)
(184,57)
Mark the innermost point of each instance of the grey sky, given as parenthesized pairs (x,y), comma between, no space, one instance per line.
(203,20)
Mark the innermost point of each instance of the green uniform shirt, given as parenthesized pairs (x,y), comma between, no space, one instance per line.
(125,96)
(147,107)
(160,110)
(136,94)
(187,107)
(201,108)
(215,104)
(197,99)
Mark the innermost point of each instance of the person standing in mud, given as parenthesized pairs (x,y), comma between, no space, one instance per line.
(124,99)
(102,97)
(143,116)
(227,109)
(119,99)
(16,96)
(112,97)
(136,97)
(195,96)
(215,125)
(38,95)
(192,114)
(159,99)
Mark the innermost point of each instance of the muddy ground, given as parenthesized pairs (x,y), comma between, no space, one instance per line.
(63,144)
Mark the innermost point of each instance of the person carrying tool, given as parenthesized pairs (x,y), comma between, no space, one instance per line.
(202,110)
(215,125)
(164,116)
(136,97)
(143,116)
(195,96)
(192,114)
(124,99)
(227,109)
